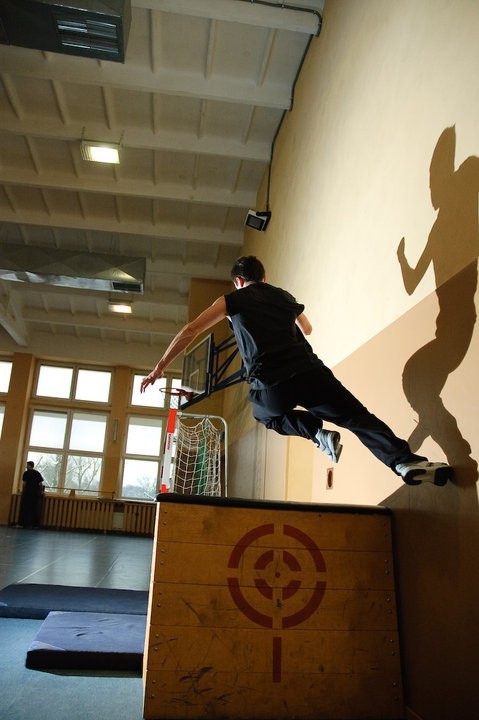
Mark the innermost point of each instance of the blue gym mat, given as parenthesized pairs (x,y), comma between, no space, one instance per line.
(88,641)
(35,601)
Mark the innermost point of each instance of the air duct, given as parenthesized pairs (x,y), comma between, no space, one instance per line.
(67,268)
(90,28)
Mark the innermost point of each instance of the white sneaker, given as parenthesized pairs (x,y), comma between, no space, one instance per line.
(417,472)
(329,441)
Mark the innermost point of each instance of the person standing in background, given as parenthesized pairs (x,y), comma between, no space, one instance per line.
(32,497)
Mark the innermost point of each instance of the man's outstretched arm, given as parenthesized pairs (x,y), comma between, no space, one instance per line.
(209,317)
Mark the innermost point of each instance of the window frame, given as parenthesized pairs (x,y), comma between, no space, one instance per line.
(65,451)
(71,405)
(76,368)
(146,412)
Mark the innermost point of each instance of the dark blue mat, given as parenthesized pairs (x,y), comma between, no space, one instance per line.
(24,600)
(88,641)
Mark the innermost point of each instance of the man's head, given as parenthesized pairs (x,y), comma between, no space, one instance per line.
(249,269)
(30,465)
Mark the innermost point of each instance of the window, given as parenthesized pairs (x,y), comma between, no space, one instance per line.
(73,383)
(88,432)
(140,479)
(141,467)
(67,448)
(5,372)
(93,385)
(54,381)
(2,413)
(48,429)
(153,397)
(67,439)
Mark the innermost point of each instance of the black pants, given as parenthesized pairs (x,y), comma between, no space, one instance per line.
(325,398)
(30,509)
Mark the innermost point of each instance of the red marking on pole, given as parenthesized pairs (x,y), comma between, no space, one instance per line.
(170,425)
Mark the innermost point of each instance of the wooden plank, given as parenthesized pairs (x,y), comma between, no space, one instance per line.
(212,606)
(227,525)
(250,650)
(213,565)
(211,693)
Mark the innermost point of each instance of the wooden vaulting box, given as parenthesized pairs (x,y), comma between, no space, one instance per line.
(271,610)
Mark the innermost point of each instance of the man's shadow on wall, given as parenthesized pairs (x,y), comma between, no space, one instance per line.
(452,243)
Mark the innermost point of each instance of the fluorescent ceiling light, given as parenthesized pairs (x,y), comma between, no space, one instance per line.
(100,152)
(120,307)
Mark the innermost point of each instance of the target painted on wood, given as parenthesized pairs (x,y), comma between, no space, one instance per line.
(278,576)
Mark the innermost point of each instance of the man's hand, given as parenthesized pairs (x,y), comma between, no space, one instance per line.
(156,373)
(189,332)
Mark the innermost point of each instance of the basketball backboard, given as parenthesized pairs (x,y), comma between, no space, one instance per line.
(197,364)
(205,368)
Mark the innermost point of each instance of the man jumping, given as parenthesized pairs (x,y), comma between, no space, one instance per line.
(285,375)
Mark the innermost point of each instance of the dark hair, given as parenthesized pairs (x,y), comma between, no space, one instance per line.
(249,268)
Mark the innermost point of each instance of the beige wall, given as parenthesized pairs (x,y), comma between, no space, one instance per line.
(351,166)
(382,144)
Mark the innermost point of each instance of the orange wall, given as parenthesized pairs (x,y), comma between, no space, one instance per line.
(14,428)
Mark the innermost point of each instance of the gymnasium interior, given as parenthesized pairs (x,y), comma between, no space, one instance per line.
(351,126)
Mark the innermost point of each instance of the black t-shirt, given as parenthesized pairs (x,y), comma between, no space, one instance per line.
(32,482)
(272,346)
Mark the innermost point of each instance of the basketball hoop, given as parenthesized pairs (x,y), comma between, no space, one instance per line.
(178,393)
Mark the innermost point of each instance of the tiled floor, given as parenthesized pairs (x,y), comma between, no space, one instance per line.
(64,558)
(70,558)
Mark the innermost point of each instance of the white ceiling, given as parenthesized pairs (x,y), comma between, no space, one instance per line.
(196,106)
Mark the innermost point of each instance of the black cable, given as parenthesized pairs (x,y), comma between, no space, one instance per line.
(282,5)
(282,119)
(320,20)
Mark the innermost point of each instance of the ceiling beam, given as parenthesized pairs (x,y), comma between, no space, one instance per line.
(11,319)
(110,321)
(159,296)
(156,230)
(135,77)
(141,354)
(247,13)
(128,188)
(42,127)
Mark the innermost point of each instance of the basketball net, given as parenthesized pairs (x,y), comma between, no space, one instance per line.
(175,394)
(192,451)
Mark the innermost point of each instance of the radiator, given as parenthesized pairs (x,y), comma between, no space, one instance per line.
(76,513)
(139,518)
